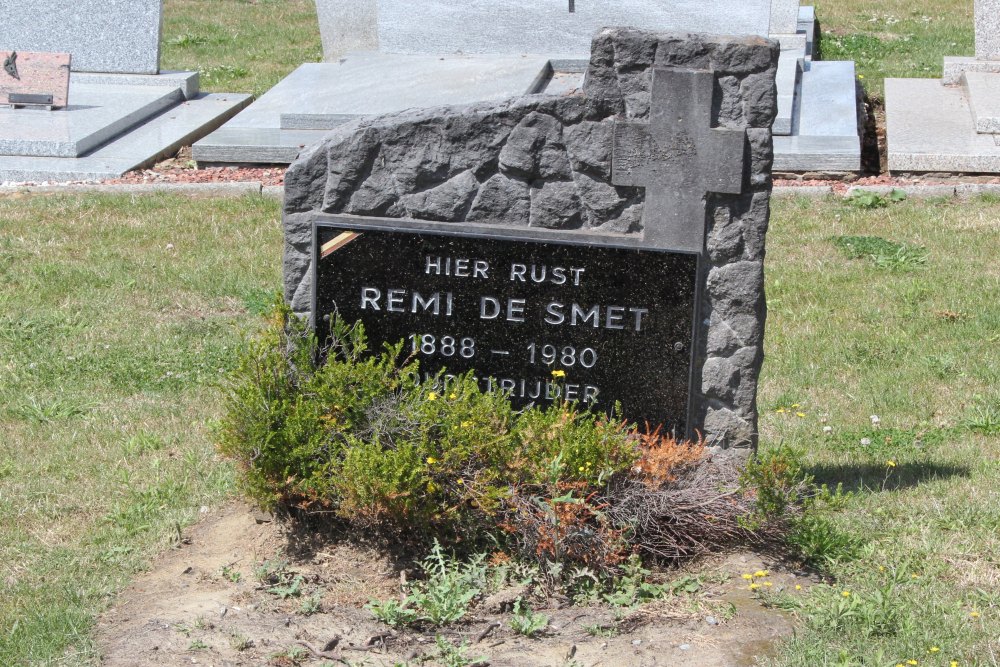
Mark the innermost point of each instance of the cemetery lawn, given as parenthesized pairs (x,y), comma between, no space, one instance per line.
(239,46)
(118,312)
(895,38)
(118,316)
(898,353)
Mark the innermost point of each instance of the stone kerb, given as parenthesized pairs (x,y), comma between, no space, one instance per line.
(987,23)
(117,36)
(545,162)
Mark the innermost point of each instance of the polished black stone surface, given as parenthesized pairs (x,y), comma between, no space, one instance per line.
(617,322)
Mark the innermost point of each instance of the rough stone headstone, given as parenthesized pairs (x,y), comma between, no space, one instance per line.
(35,79)
(533,235)
(121,36)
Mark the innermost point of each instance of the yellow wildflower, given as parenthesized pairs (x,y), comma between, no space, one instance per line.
(453,396)
(767,583)
(781,411)
(798,587)
(974,614)
(430,487)
(558,374)
(933,649)
(748,577)
(796,405)
(954,663)
(800,414)
(466,424)
(760,573)
(754,587)
(912,662)
(432,396)
(431,460)
(891,463)
(846,594)
(581,469)
(460,481)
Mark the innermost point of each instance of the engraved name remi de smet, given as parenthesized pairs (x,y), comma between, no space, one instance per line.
(554,313)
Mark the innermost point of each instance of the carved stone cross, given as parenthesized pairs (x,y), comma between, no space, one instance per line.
(678,157)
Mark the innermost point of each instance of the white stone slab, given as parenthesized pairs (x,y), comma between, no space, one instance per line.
(95,114)
(929,128)
(956,66)
(187,82)
(983,91)
(784,16)
(138,148)
(987,14)
(547,26)
(102,35)
(346,26)
(787,79)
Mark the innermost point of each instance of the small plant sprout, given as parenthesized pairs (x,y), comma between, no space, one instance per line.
(525,622)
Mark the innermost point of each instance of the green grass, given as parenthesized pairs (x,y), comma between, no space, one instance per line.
(895,39)
(239,46)
(118,315)
(917,346)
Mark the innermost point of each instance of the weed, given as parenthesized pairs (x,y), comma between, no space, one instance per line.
(820,543)
(231,574)
(56,409)
(288,588)
(312,604)
(602,630)
(197,645)
(394,613)
(186,39)
(240,642)
(525,621)
(869,199)
(450,586)
(984,416)
(883,253)
(632,588)
(450,655)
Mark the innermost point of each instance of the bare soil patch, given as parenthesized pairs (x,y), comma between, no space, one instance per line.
(202,604)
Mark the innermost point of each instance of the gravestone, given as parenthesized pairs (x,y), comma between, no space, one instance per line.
(953,127)
(604,246)
(116,113)
(390,55)
(35,79)
(120,36)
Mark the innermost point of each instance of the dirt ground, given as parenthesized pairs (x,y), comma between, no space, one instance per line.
(201,604)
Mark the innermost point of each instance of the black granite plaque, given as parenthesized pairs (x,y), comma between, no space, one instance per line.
(616,321)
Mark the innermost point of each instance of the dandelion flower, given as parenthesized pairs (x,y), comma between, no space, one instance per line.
(933,649)
(460,481)
(954,663)
(748,577)
(798,587)
(800,414)
(912,662)
(581,469)
(558,374)
(431,460)
(754,587)
(432,396)
(891,463)
(796,405)
(974,614)
(453,396)
(767,583)
(846,594)
(760,573)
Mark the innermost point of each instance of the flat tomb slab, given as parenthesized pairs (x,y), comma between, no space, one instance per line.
(103,35)
(136,148)
(95,115)
(515,310)
(369,83)
(41,77)
(929,127)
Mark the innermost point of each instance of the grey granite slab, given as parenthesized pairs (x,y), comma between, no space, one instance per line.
(828,105)
(250,145)
(787,81)
(187,82)
(102,35)
(987,13)
(956,66)
(346,26)
(95,115)
(807,26)
(137,148)
(547,26)
(803,153)
(930,128)
(370,83)
(983,91)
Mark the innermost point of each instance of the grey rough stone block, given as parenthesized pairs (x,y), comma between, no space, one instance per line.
(546,161)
